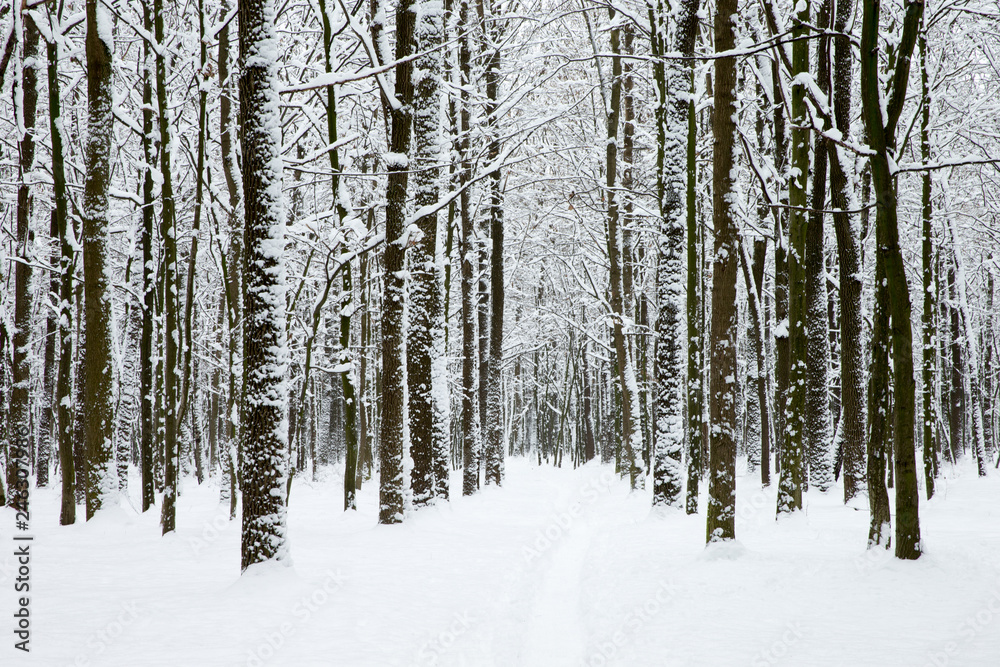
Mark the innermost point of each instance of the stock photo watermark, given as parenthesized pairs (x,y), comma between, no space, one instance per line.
(22,539)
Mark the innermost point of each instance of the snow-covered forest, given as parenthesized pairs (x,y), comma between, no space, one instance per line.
(500,332)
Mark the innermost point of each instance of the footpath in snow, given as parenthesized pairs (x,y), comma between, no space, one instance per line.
(558,567)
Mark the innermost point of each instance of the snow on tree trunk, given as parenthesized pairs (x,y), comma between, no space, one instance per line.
(818,434)
(671,125)
(100,480)
(721,523)
(392,442)
(425,333)
(263,421)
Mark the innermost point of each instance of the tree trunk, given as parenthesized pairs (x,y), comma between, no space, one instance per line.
(19,453)
(927,273)
(466,249)
(631,433)
(818,435)
(852,366)
(793,448)
(493,449)
(880,122)
(722,386)
(392,447)
(263,429)
(101,487)
(171,333)
(671,121)
(425,334)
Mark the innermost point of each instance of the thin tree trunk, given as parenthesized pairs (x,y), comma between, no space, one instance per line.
(927,273)
(852,366)
(234,281)
(171,334)
(466,249)
(878,410)
(67,514)
(493,449)
(793,461)
(631,433)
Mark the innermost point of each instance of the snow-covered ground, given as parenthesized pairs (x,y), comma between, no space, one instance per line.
(559,567)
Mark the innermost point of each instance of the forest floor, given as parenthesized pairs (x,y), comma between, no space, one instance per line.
(558,567)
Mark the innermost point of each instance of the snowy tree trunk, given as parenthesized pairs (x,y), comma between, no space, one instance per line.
(171,330)
(234,279)
(818,435)
(425,333)
(722,383)
(493,450)
(25,100)
(392,445)
(671,125)
(148,431)
(466,249)
(631,462)
(927,273)
(101,487)
(793,448)
(852,366)
(128,386)
(63,398)
(263,425)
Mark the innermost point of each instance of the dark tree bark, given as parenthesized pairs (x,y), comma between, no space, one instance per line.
(171,330)
(234,279)
(391,445)
(263,428)
(879,414)
(470,423)
(493,446)
(722,385)
(880,123)
(927,273)
(147,432)
(18,453)
(101,485)
(793,447)
(64,416)
(631,433)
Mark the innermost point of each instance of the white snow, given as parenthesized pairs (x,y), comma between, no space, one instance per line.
(557,567)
